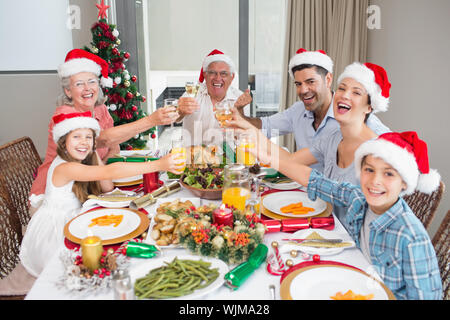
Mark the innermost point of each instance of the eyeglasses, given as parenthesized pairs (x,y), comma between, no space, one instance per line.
(90,83)
(223,74)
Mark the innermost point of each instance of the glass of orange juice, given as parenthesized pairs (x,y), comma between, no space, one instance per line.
(236,186)
(245,141)
(179,148)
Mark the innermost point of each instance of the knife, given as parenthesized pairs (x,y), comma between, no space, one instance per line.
(314,240)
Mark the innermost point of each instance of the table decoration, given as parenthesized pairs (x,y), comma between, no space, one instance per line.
(141,250)
(290,225)
(91,251)
(236,277)
(199,234)
(223,216)
(151,198)
(78,279)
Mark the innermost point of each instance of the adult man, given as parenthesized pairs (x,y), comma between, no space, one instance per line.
(197,114)
(312,117)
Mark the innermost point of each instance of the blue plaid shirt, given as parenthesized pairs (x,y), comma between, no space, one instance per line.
(400,248)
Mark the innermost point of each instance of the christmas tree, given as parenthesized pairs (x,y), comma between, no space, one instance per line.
(123,99)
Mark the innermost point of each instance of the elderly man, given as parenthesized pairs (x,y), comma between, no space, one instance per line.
(312,117)
(197,113)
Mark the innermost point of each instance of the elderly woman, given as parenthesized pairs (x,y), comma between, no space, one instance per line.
(81,92)
(362,89)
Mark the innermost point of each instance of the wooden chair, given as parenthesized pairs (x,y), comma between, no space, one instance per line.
(425,205)
(19,161)
(441,243)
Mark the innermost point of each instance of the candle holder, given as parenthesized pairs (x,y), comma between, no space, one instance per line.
(223,216)
(91,252)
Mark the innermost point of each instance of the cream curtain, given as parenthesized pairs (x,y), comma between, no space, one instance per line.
(338,27)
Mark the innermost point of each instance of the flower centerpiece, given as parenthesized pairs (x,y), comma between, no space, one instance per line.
(199,232)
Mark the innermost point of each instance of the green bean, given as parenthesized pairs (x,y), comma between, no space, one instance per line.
(176,278)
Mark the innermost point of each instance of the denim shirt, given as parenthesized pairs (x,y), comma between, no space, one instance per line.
(400,248)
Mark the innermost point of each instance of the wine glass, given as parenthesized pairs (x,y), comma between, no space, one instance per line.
(223,111)
(170,102)
(191,89)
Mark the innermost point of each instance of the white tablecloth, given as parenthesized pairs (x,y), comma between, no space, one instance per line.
(256,287)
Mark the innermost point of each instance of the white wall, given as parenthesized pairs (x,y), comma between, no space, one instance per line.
(413,45)
(29,100)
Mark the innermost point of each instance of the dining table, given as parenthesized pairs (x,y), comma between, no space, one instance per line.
(256,287)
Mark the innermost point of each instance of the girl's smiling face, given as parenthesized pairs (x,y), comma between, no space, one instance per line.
(380,183)
(80,143)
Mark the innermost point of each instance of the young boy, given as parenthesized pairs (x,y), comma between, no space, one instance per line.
(379,220)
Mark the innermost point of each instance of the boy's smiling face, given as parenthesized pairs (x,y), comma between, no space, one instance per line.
(380,183)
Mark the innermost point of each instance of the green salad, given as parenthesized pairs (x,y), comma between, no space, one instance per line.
(203,178)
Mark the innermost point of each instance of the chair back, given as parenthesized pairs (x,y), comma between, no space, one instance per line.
(425,205)
(10,232)
(19,161)
(441,243)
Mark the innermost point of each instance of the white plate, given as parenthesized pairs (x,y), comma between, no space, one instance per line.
(152,213)
(79,227)
(323,281)
(129,179)
(284,186)
(275,201)
(302,234)
(144,268)
(112,204)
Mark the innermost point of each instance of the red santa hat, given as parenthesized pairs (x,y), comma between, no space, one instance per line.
(215,56)
(67,122)
(78,60)
(407,154)
(374,79)
(318,58)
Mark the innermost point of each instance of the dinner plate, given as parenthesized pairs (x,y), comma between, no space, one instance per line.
(320,282)
(275,201)
(144,268)
(128,181)
(133,224)
(303,234)
(283,186)
(152,213)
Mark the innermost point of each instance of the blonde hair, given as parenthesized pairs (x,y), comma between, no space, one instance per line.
(81,189)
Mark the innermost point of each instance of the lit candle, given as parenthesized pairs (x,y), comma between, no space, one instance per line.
(91,252)
(223,216)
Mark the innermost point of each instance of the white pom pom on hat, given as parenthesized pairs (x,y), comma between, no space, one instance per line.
(407,154)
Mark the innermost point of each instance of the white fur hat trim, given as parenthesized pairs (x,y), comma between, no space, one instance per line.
(366,77)
(216,58)
(64,127)
(311,57)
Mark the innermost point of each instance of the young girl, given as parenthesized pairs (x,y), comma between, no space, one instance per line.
(75,173)
(383,226)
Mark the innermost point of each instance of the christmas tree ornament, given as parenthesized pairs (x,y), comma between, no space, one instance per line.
(94,50)
(115,33)
(126,83)
(118,42)
(126,76)
(117,80)
(112,107)
(102,10)
(134,78)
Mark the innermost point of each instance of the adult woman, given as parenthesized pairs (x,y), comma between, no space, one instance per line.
(81,92)
(362,89)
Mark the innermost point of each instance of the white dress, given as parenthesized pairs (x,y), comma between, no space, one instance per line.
(45,230)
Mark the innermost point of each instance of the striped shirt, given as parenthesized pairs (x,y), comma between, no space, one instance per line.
(400,248)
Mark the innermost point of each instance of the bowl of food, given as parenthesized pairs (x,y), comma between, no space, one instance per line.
(205,183)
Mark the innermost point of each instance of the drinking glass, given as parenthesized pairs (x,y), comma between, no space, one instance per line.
(236,186)
(179,149)
(223,111)
(170,102)
(191,89)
